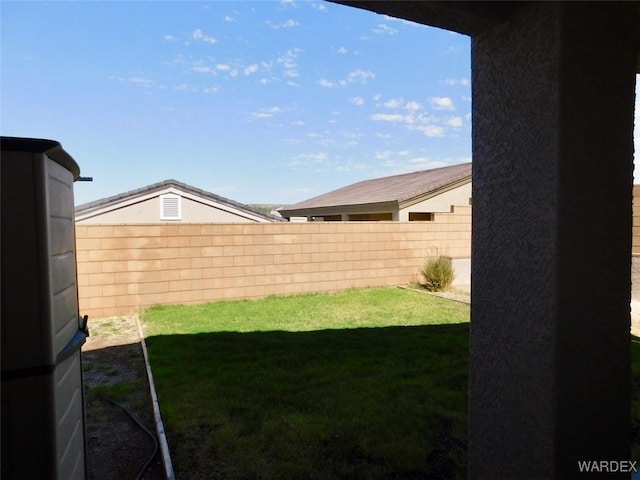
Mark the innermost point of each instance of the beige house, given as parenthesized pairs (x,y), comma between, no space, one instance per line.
(408,197)
(168,201)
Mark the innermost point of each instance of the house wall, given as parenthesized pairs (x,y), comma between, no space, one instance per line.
(148,211)
(125,268)
(440,203)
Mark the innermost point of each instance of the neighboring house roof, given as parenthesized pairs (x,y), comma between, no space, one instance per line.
(398,190)
(121,200)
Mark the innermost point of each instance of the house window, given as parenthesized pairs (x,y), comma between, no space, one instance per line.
(370,217)
(420,217)
(170,207)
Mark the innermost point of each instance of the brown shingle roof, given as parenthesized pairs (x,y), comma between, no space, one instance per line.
(397,188)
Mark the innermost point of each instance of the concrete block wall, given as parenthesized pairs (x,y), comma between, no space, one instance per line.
(636,220)
(126,268)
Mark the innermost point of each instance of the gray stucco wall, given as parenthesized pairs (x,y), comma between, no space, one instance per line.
(552,175)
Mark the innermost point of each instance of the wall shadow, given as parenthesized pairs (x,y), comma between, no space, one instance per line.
(117,448)
(354,403)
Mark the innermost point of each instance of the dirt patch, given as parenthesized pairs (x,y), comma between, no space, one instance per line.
(114,369)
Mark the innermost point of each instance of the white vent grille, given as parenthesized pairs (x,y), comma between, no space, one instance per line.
(170,207)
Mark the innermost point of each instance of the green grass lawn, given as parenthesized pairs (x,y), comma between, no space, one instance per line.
(368,383)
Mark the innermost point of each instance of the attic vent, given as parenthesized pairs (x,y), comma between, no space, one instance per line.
(170,207)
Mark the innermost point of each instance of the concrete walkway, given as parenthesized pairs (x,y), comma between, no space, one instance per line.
(462,282)
(462,269)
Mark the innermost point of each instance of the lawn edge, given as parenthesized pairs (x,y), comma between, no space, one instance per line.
(162,436)
(434,294)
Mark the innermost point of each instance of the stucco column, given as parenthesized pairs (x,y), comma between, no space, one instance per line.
(552,186)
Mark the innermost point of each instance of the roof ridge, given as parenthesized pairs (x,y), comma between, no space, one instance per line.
(168,183)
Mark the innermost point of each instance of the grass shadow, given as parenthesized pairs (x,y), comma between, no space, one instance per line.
(369,403)
(116,446)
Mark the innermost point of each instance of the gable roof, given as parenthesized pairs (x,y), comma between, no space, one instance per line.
(396,189)
(117,201)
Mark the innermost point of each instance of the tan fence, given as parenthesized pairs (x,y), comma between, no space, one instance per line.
(125,268)
(636,220)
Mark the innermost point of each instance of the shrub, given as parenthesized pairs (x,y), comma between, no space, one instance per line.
(438,273)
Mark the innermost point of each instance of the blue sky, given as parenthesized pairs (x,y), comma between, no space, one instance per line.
(258,101)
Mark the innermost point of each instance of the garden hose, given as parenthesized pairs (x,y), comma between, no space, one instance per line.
(144,428)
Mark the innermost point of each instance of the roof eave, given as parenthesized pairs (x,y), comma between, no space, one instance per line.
(434,193)
(377,207)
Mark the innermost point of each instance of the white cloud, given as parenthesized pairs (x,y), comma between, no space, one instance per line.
(387,117)
(251,69)
(319,6)
(199,35)
(170,38)
(139,81)
(326,83)
(229,18)
(266,112)
(287,24)
(457,81)
(419,160)
(357,76)
(288,3)
(203,69)
(404,22)
(209,90)
(298,123)
(431,130)
(360,76)
(223,67)
(357,100)
(442,103)
(343,50)
(394,103)
(310,158)
(183,87)
(289,62)
(411,119)
(385,154)
(413,106)
(384,29)
(455,122)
